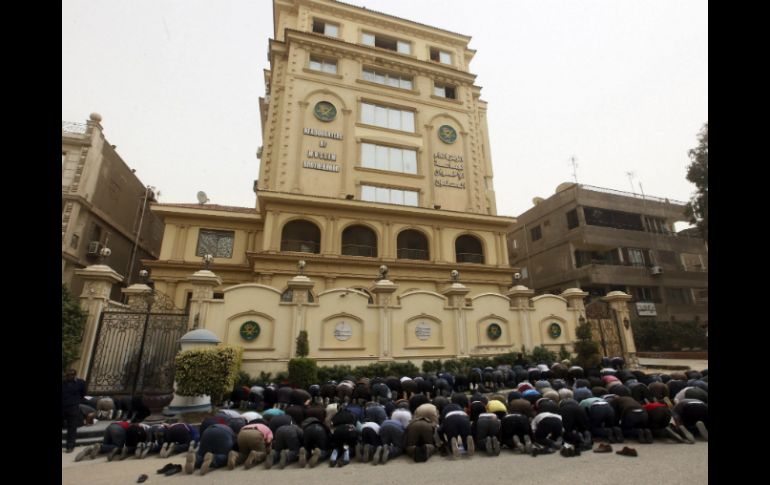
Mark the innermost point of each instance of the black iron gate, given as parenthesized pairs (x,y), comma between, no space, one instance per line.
(604,328)
(135,347)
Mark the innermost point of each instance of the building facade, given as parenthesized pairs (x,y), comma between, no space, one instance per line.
(375,151)
(602,240)
(104,204)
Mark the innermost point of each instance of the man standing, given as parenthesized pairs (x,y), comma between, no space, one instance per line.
(72,391)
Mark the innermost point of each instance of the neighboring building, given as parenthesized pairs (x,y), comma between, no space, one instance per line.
(375,151)
(103,204)
(603,240)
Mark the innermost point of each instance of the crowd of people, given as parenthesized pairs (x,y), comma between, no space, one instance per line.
(546,409)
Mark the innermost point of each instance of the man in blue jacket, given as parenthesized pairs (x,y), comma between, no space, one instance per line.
(72,391)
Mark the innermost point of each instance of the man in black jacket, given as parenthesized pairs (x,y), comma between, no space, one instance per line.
(72,391)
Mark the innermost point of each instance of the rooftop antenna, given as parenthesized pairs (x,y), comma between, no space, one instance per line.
(573,160)
(631,181)
(202,198)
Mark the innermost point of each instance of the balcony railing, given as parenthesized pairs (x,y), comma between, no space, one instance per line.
(470,258)
(406,253)
(359,250)
(300,246)
(72,127)
(631,194)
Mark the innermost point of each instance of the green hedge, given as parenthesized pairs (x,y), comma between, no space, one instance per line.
(208,371)
(303,372)
(73,322)
(381,369)
(668,336)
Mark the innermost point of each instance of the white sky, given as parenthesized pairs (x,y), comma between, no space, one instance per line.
(621,85)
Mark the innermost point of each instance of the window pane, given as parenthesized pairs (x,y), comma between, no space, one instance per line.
(445,57)
(379,78)
(380,116)
(367,113)
(439,91)
(315,65)
(404,47)
(406,83)
(330,67)
(392,81)
(410,198)
(407,121)
(397,197)
(383,195)
(333,31)
(367,155)
(368,75)
(395,163)
(394,119)
(410,161)
(367,39)
(367,193)
(382,157)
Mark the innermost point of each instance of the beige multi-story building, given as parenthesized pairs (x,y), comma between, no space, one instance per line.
(104,204)
(375,151)
(603,240)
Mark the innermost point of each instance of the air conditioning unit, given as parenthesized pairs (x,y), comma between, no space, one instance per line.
(93,248)
(656,270)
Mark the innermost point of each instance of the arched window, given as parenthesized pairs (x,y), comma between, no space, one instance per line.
(468,249)
(359,241)
(301,236)
(412,244)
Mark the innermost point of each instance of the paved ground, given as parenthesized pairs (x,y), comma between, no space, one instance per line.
(673,464)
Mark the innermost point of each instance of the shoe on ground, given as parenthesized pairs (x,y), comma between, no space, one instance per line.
(138,450)
(232,459)
(626,451)
(142,478)
(704,433)
(189,464)
(206,465)
(173,470)
(165,468)
(302,457)
(603,448)
(314,457)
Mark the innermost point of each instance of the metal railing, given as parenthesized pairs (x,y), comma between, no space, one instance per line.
(300,246)
(470,258)
(631,194)
(359,250)
(72,127)
(406,253)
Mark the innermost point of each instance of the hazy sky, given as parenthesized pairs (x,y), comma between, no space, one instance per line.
(622,85)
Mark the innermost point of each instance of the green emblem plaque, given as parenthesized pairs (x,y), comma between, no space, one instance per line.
(447,134)
(250,330)
(325,111)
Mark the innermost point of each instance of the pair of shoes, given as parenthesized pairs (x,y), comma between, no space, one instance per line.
(208,458)
(284,459)
(173,470)
(376,455)
(603,448)
(141,478)
(454,447)
(701,426)
(166,467)
(314,457)
(232,459)
(189,464)
(626,451)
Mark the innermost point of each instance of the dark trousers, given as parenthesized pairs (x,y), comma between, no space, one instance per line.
(73,418)
(602,419)
(547,431)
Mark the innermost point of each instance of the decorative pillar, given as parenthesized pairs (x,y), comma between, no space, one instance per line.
(383,295)
(299,286)
(98,280)
(204,282)
(195,339)
(520,296)
(576,307)
(456,301)
(618,302)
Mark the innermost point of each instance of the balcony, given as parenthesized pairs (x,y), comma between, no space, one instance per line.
(406,253)
(300,246)
(470,258)
(359,250)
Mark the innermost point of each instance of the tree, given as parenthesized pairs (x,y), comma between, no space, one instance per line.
(588,354)
(73,321)
(303,347)
(698,173)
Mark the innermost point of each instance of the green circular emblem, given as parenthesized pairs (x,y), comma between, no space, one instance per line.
(494,331)
(325,111)
(250,330)
(554,330)
(447,134)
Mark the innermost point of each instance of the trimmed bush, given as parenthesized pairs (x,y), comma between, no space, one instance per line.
(541,355)
(303,372)
(588,353)
(668,336)
(208,371)
(303,346)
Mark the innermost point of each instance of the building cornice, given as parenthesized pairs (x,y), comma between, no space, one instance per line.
(241,214)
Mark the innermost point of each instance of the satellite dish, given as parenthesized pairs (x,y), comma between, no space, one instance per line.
(202,198)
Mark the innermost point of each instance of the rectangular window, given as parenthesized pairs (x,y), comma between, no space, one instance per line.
(437,55)
(74,241)
(693,262)
(444,91)
(700,295)
(611,218)
(645,293)
(656,224)
(572,219)
(388,158)
(323,65)
(384,42)
(386,117)
(325,28)
(63,157)
(635,257)
(217,243)
(393,80)
(536,233)
(676,296)
(388,196)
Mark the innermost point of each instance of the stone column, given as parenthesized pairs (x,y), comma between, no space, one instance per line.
(97,284)
(576,308)
(456,301)
(204,282)
(618,302)
(300,285)
(383,295)
(520,296)
(196,339)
